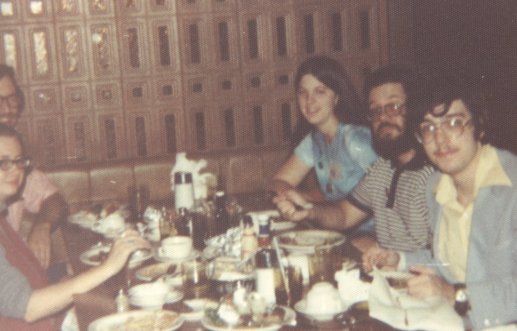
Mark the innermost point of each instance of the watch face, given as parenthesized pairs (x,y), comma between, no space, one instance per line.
(461,295)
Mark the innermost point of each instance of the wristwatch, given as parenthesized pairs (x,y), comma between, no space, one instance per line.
(461,299)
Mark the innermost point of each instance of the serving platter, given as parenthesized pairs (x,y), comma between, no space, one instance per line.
(160,320)
(287,317)
(305,241)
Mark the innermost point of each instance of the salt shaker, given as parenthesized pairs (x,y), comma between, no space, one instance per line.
(122,302)
(183,190)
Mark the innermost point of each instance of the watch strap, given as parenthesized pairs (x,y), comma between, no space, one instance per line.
(461,300)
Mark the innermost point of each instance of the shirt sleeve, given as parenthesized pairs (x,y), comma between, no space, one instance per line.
(304,151)
(360,195)
(37,189)
(15,290)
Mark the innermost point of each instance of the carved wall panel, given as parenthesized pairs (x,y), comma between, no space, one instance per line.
(142,78)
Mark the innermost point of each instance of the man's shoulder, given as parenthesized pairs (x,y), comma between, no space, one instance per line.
(509,163)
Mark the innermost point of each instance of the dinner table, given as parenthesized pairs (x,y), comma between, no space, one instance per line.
(100,301)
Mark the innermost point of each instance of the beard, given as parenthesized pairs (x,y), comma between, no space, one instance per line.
(391,148)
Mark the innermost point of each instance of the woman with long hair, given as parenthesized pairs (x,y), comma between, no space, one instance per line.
(339,152)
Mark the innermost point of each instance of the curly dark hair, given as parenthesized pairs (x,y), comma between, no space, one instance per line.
(443,88)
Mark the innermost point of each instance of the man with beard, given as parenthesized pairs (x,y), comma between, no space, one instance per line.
(392,191)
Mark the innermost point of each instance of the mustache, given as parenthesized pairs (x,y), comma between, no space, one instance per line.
(389,125)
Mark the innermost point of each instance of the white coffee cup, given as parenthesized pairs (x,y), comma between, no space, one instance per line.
(323,298)
(176,247)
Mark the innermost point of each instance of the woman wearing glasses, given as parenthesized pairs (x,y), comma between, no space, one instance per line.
(27,302)
(339,152)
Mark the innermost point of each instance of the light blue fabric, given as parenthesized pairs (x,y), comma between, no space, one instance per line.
(350,153)
(491,275)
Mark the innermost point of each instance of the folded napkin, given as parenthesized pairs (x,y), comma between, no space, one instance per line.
(398,309)
(351,288)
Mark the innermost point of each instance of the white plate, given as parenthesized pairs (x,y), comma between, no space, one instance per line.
(171,321)
(89,257)
(305,241)
(300,307)
(172,297)
(163,258)
(83,219)
(198,307)
(289,317)
(282,225)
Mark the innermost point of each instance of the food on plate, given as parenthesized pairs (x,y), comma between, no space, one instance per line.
(157,322)
(100,256)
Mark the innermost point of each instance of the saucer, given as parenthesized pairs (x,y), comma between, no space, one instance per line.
(301,306)
(164,258)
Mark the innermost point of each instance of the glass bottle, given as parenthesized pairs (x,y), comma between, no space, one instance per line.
(249,242)
(122,302)
(221,214)
(268,282)
(184,222)
(264,235)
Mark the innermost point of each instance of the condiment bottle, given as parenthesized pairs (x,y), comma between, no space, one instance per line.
(122,302)
(183,190)
(249,242)
(264,235)
(221,214)
(184,223)
(268,281)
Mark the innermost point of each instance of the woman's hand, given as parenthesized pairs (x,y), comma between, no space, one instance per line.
(292,205)
(427,283)
(127,243)
(380,258)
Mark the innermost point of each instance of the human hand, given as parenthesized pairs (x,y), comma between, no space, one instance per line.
(381,258)
(122,248)
(427,283)
(39,243)
(292,205)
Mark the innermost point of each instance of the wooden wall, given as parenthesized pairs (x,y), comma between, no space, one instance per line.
(133,79)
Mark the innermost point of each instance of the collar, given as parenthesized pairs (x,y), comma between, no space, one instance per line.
(489,172)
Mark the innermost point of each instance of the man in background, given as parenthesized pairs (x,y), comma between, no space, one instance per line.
(38,195)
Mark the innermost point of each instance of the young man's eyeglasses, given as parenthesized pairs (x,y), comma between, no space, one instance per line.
(452,127)
(12,100)
(391,109)
(21,163)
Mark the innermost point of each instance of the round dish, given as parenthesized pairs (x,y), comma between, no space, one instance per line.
(305,241)
(94,256)
(300,307)
(138,320)
(162,258)
(288,317)
(83,219)
(151,272)
(197,308)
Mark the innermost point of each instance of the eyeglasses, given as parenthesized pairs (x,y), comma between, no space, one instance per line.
(21,163)
(453,127)
(391,109)
(12,100)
